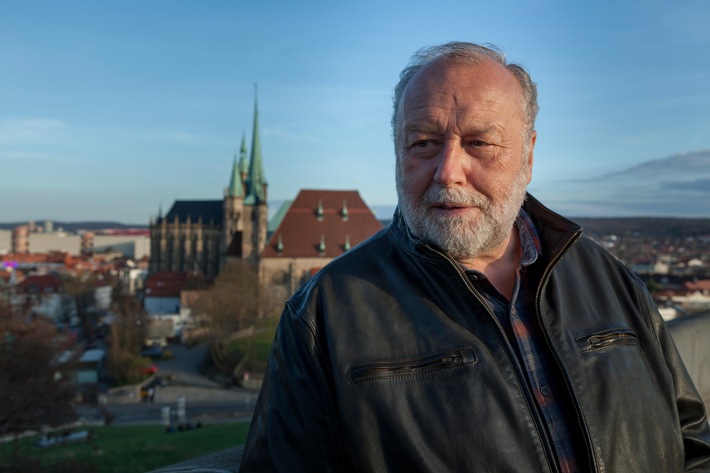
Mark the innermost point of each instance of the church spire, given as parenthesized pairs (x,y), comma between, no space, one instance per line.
(256,181)
(243,163)
(235,183)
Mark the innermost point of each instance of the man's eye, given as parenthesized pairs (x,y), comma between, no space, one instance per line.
(477,143)
(422,143)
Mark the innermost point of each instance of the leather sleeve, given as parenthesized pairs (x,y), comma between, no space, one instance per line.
(294,427)
(691,408)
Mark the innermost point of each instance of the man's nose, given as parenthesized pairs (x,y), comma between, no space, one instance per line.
(450,166)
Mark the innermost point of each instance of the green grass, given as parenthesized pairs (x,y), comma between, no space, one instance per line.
(130,449)
(258,346)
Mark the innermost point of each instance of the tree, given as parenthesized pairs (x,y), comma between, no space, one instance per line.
(232,304)
(653,286)
(127,335)
(36,390)
(81,289)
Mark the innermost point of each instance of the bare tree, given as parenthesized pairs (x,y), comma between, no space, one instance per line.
(127,335)
(81,289)
(36,390)
(233,303)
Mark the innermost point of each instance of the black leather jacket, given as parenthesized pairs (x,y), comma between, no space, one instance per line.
(390,360)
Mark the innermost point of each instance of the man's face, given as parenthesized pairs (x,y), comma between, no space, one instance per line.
(463,158)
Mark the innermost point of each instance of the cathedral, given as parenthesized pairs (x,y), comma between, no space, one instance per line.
(200,235)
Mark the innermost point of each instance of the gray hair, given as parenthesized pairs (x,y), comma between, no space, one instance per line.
(471,53)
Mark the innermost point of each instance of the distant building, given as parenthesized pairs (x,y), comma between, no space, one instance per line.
(130,246)
(20,242)
(26,239)
(44,295)
(200,235)
(89,366)
(318,226)
(132,278)
(5,241)
(162,292)
(56,241)
(163,302)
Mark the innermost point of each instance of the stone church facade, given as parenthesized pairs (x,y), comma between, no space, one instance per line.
(200,235)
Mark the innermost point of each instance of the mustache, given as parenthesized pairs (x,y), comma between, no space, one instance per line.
(456,196)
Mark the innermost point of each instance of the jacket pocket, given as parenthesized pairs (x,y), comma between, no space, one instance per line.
(607,339)
(396,369)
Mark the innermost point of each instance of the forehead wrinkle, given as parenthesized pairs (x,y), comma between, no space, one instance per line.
(459,125)
(457,106)
(440,111)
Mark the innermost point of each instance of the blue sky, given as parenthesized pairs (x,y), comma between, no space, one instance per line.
(109,110)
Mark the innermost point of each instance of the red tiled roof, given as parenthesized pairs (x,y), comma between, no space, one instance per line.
(165,284)
(49,257)
(301,229)
(43,283)
(700,285)
(26,257)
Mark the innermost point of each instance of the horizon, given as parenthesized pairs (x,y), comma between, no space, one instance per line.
(380,213)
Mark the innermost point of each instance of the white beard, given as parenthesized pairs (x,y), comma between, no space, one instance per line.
(463,237)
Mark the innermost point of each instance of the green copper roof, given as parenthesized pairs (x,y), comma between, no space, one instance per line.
(243,163)
(256,180)
(276,219)
(235,183)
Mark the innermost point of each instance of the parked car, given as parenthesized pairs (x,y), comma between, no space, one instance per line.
(154,351)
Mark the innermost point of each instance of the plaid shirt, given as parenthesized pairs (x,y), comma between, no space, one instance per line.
(517,316)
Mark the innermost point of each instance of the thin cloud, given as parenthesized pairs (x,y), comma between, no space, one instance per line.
(690,163)
(32,130)
(701,186)
(25,156)
(675,186)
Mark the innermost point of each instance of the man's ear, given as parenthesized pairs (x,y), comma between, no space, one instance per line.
(529,159)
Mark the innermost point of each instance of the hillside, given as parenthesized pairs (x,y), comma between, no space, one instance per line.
(74,227)
(646,226)
(654,227)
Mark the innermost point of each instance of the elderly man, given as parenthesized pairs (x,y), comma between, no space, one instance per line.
(480,331)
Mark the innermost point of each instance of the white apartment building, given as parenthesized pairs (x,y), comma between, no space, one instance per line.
(5,241)
(56,241)
(131,246)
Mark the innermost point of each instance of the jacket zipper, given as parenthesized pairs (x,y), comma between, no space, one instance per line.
(555,353)
(509,349)
(604,340)
(394,369)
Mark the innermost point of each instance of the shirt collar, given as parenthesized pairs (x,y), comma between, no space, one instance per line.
(529,239)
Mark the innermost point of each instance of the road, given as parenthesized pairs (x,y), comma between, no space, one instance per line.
(152,413)
(186,365)
(206,401)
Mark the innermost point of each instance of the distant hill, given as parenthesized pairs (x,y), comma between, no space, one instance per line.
(596,226)
(653,227)
(76,226)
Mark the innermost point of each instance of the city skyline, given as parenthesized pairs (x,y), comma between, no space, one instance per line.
(110,112)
